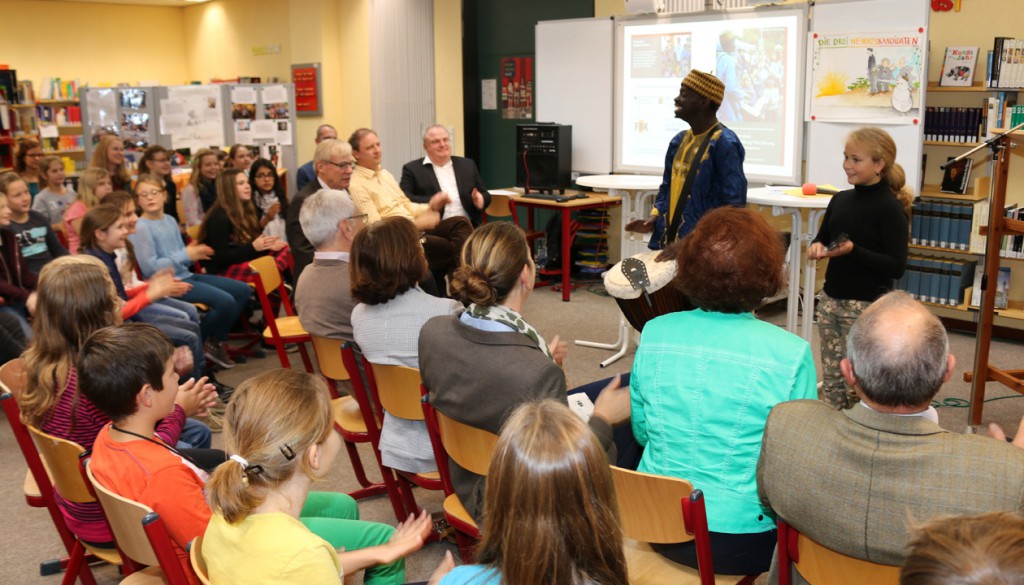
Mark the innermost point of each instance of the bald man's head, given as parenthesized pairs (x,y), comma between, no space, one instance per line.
(899,352)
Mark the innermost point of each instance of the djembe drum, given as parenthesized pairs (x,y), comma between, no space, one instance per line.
(643,288)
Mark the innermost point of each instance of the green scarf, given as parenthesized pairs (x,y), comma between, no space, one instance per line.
(506,316)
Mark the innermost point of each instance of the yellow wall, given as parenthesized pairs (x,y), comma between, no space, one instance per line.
(448,104)
(95,43)
(219,37)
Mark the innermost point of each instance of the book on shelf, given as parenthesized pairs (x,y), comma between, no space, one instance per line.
(956,176)
(958,66)
(938,280)
(946,224)
(1003,288)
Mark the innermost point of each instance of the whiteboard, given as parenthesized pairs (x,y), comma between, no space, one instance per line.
(574,86)
(825,140)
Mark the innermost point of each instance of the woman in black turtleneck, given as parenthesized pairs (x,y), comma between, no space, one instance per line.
(864,234)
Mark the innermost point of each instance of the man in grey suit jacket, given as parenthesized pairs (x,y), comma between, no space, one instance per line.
(333,163)
(440,172)
(852,480)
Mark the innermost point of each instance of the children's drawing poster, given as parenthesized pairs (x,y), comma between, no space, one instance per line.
(866,77)
(517,88)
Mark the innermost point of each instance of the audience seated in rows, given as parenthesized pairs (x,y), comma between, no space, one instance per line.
(850,480)
(77,298)
(481,364)
(704,381)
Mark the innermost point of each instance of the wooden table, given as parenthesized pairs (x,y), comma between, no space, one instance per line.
(592,201)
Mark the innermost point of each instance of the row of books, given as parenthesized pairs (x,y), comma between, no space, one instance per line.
(937,280)
(941,224)
(53,88)
(61,116)
(955,124)
(1012,246)
(1006,68)
(63,143)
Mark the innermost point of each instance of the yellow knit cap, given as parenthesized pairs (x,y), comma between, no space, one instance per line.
(706,85)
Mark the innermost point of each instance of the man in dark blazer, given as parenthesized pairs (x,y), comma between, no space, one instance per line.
(853,480)
(333,164)
(422,178)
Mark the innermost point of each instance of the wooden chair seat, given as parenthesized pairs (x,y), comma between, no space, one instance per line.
(195,556)
(109,555)
(348,416)
(31,489)
(820,565)
(430,476)
(650,568)
(289,328)
(147,576)
(456,512)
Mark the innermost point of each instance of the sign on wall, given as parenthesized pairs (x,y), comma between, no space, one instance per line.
(306,78)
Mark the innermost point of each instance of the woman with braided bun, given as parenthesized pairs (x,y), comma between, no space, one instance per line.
(484,362)
(267,526)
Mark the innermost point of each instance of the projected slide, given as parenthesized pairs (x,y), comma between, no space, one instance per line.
(757,58)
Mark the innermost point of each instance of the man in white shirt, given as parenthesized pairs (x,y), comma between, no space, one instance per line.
(440,172)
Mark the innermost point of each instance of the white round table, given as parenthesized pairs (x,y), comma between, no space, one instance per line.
(783,203)
(637,193)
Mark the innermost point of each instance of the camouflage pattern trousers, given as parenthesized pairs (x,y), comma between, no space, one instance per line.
(835,318)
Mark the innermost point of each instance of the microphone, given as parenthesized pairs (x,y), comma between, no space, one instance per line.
(812,189)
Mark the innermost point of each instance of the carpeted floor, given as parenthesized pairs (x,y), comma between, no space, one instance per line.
(28,537)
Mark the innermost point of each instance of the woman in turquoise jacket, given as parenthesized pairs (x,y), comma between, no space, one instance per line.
(704,381)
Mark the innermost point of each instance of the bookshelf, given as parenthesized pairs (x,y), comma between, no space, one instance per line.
(1009,322)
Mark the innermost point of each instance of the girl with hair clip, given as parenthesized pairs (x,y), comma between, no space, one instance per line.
(109,156)
(26,163)
(104,231)
(55,197)
(158,245)
(36,239)
(267,526)
(232,230)
(94,185)
(864,235)
(239,157)
(201,192)
(17,281)
(156,161)
(269,197)
(76,298)
(464,358)
(550,513)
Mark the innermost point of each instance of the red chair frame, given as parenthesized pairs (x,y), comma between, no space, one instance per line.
(268,315)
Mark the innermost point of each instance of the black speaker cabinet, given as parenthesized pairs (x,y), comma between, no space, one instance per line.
(543,157)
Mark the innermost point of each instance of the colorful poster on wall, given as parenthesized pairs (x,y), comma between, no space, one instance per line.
(866,77)
(517,88)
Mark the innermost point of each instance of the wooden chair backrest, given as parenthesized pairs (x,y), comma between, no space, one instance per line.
(468,446)
(61,458)
(650,506)
(193,232)
(125,518)
(499,206)
(398,390)
(195,555)
(269,274)
(820,565)
(328,355)
(13,376)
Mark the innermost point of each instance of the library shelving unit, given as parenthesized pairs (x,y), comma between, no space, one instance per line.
(1010,321)
(998,227)
(68,141)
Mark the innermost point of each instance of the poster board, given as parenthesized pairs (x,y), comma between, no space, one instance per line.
(825,140)
(574,86)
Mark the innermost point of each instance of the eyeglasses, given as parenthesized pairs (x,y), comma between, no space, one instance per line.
(264,176)
(153,193)
(361,216)
(342,166)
